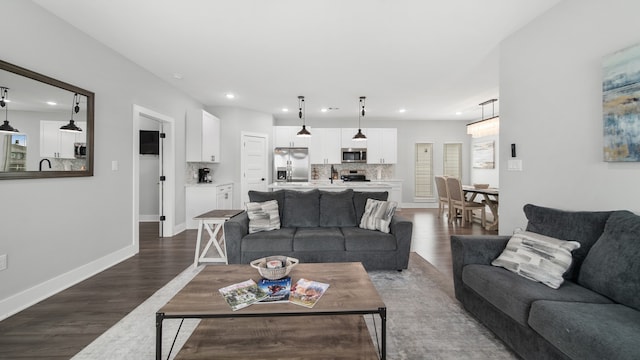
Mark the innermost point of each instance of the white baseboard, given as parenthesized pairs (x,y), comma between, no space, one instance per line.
(32,296)
(179,228)
(420,205)
(149,218)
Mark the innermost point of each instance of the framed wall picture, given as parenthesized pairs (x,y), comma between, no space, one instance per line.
(621,105)
(484,155)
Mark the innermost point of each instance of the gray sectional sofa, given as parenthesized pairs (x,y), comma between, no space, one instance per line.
(595,314)
(321,226)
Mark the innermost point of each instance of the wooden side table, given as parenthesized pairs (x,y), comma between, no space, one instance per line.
(213,222)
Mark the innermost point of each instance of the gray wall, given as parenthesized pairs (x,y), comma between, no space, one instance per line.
(58,231)
(551,107)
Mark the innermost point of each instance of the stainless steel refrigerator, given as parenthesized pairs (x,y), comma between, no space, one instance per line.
(291,164)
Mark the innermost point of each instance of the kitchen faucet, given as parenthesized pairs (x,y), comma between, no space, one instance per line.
(47,160)
(331,175)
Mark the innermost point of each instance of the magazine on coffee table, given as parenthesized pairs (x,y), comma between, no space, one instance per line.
(242,294)
(307,292)
(277,290)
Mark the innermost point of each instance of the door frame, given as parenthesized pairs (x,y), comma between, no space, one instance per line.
(168,156)
(243,183)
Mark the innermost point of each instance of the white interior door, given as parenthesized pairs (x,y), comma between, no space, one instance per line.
(255,167)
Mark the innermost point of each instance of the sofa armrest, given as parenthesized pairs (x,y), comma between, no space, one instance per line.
(402,229)
(234,230)
(473,249)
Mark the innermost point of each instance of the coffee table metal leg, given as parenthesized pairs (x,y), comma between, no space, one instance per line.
(383,316)
(159,319)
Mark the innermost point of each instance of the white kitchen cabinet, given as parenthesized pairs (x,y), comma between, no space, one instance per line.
(325,146)
(347,139)
(382,145)
(395,194)
(203,137)
(202,198)
(224,197)
(59,144)
(287,136)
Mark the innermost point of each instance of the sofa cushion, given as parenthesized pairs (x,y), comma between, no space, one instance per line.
(537,257)
(513,295)
(584,227)
(360,201)
(318,239)
(357,239)
(378,214)
(263,216)
(301,208)
(336,208)
(612,267)
(262,196)
(588,331)
(276,241)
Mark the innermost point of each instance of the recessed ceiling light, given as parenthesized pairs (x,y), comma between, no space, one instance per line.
(52,103)
(402,110)
(324,109)
(177,76)
(458,112)
(230,96)
(285,110)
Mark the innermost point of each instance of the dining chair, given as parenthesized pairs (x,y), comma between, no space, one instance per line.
(443,196)
(459,202)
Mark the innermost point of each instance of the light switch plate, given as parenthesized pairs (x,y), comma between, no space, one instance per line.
(3,261)
(514,165)
(114,165)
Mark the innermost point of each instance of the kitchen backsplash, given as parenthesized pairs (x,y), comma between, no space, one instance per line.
(387,171)
(191,175)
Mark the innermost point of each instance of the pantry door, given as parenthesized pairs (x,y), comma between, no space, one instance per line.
(255,164)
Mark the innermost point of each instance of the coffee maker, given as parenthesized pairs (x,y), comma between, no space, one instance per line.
(203,175)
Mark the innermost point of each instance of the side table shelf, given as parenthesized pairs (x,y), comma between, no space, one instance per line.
(213,222)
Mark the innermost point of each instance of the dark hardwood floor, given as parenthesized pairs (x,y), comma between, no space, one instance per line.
(60,326)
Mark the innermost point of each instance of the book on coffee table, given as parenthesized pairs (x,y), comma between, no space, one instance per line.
(307,292)
(242,294)
(277,290)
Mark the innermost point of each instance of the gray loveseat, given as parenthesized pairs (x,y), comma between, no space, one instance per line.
(595,314)
(321,226)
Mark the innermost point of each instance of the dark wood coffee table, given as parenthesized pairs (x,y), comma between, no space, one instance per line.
(350,293)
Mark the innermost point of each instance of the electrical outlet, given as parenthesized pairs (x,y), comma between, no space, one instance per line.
(3,261)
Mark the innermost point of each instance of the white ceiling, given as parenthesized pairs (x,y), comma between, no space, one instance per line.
(433,58)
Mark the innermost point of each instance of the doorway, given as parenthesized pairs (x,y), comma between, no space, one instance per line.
(166,204)
(255,164)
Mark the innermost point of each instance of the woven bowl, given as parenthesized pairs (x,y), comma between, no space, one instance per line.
(277,273)
(481,186)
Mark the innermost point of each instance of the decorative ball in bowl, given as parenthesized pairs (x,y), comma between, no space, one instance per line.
(481,186)
(274,267)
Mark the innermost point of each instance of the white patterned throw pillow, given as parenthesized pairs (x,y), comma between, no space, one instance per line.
(263,216)
(537,257)
(377,215)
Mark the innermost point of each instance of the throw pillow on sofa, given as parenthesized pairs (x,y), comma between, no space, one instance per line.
(263,216)
(537,257)
(377,215)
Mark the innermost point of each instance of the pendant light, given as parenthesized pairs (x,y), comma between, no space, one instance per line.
(485,127)
(301,114)
(5,127)
(71,126)
(359,136)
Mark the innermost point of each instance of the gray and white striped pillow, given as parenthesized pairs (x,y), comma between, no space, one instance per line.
(377,215)
(263,216)
(537,257)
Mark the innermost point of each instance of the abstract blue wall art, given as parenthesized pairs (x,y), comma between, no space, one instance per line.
(621,105)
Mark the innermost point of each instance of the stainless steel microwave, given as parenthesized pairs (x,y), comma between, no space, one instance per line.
(351,155)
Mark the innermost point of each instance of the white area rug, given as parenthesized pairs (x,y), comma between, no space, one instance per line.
(423,322)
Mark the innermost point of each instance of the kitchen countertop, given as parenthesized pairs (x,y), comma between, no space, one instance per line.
(208,184)
(337,185)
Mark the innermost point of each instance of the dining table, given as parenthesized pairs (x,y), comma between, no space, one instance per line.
(490,199)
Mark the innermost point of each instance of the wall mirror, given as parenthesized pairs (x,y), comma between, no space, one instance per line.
(37,134)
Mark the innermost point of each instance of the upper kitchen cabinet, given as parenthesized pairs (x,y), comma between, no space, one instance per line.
(347,139)
(59,144)
(203,137)
(286,136)
(324,147)
(382,145)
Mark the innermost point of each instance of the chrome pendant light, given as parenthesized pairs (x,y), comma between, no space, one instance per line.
(6,127)
(301,114)
(71,126)
(359,136)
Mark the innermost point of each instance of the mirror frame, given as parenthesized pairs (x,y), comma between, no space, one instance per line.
(89,130)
